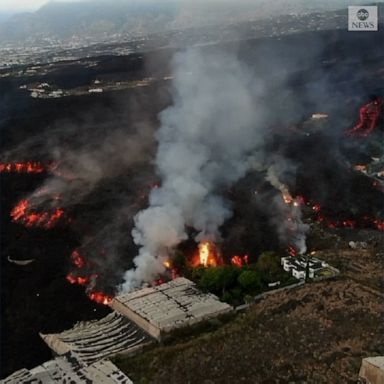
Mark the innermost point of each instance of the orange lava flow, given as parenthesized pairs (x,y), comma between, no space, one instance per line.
(80,280)
(23,214)
(77,259)
(79,262)
(22,167)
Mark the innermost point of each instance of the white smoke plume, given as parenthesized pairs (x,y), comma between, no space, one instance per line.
(207,139)
(286,211)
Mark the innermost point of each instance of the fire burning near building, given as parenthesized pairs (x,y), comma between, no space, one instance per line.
(190,203)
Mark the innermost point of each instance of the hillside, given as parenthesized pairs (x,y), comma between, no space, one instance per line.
(317,333)
(101,18)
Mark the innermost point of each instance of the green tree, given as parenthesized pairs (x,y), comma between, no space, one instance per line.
(250,281)
(269,265)
(219,279)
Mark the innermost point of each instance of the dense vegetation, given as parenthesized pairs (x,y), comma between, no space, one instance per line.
(234,284)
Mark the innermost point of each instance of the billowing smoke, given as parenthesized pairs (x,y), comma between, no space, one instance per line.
(207,140)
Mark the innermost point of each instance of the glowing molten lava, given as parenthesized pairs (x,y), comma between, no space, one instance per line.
(88,281)
(25,167)
(364,221)
(80,280)
(23,214)
(77,259)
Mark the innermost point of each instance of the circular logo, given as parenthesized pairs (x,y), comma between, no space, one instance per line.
(362,14)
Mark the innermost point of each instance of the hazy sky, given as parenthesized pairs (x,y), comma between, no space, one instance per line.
(21,5)
(31,5)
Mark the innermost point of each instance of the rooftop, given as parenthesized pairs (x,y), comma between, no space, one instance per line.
(175,304)
(94,340)
(66,369)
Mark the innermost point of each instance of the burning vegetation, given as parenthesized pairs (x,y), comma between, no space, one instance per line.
(208,255)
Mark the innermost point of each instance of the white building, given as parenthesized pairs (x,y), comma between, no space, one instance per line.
(298,265)
(95,90)
(162,309)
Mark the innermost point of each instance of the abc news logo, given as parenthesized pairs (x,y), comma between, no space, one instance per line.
(362,18)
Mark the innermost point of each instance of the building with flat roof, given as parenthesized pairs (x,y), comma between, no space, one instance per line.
(138,318)
(66,369)
(164,308)
(297,266)
(95,340)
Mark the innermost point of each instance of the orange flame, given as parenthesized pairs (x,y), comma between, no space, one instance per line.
(100,298)
(168,265)
(207,254)
(204,253)
(239,261)
(287,197)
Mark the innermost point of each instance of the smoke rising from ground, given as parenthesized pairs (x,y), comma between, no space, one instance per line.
(208,140)
(286,215)
(222,124)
